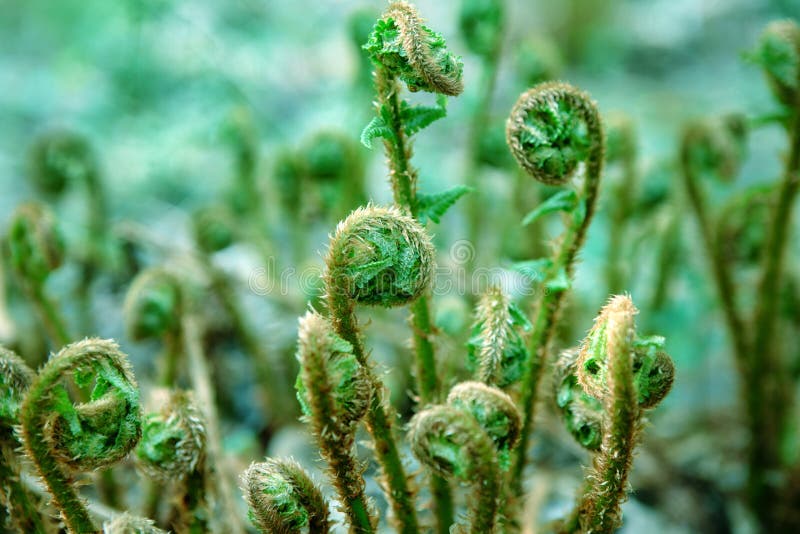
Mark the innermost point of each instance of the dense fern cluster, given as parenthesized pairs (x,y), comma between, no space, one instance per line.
(455,455)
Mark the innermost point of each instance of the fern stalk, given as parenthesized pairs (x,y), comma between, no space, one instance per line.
(549,304)
(767,388)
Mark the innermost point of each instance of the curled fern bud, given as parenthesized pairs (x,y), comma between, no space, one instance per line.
(408,49)
(497,346)
(282,499)
(335,392)
(778,53)
(481,24)
(15,378)
(213,228)
(332,387)
(653,371)
(553,128)
(609,347)
(60,158)
(173,440)
(379,256)
(453,444)
(22,508)
(152,305)
(626,375)
(35,243)
(130,524)
(494,410)
(715,147)
(62,437)
(92,434)
(582,413)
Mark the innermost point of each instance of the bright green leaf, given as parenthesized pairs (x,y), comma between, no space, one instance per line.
(377,127)
(433,207)
(415,118)
(566,200)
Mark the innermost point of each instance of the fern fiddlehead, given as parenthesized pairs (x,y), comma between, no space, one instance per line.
(619,376)
(172,450)
(582,413)
(152,309)
(777,53)
(60,159)
(553,130)
(21,506)
(62,438)
(497,346)
(403,49)
(36,248)
(469,439)
(213,228)
(335,392)
(378,256)
(495,412)
(282,499)
(453,445)
(239,132)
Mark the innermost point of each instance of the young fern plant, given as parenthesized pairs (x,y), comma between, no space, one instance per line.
(469,439)
(152,310)
(22,507)
(553,131)
(771,393)
(36,248)
(497,347)
(335,392)
(403,49)
(282,499)
(62,159)
(602,391)
(173,451)
(239,133)
(158,304)
(63,438)
(378,256)
(715,148)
